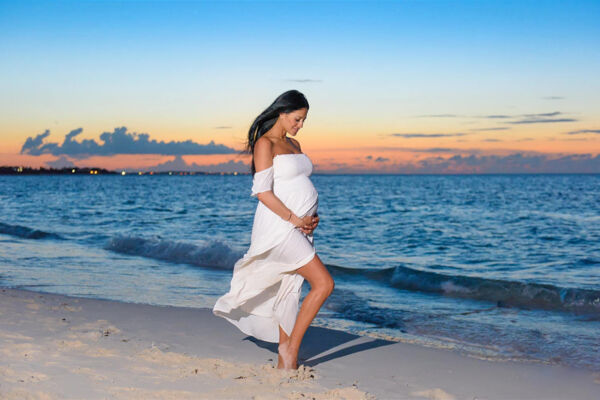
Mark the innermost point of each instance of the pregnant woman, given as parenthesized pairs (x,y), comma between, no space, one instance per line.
(265,287)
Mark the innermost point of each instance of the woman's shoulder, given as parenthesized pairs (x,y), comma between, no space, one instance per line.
(263,145)
(263,153)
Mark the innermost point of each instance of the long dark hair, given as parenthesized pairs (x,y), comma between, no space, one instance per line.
(289,101)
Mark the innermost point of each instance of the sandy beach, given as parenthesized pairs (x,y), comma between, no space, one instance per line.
(59,347)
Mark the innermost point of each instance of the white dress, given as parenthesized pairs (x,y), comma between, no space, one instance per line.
(265,289)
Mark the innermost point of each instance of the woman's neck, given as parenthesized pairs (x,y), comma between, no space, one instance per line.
(277,134)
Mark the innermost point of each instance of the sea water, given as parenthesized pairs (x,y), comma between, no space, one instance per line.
(493,266)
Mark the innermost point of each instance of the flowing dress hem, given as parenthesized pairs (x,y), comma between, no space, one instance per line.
(249,322)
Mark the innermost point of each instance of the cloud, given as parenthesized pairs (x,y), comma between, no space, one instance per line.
(531,118)
(492,140)
(343,168)
(35,146)
(61,162)
(513,163)
(553,98)
(37,141)
(542,120)
(378,159)
(435,150)
(583,131)
(304,80)
(438,116)
(416,150)
(179,164)
(426,135)
(520,119)
(489,129)
(118,142)
(550,114)
(222,127)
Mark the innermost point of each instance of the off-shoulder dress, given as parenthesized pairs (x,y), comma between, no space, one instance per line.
(265,287)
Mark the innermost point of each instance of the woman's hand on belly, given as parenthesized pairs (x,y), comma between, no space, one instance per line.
(310,227)
(306,223)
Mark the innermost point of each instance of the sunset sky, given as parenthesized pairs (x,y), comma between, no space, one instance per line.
(393,86)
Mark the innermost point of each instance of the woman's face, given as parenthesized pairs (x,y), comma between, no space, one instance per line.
(293,121)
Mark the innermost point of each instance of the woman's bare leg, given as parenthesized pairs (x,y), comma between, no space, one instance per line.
(283,337)
(321,286)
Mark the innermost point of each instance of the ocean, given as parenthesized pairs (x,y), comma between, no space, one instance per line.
(492,266)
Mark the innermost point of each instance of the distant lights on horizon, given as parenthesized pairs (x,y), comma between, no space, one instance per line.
(19,169)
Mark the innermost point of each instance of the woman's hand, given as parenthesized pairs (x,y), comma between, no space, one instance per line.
(299,222)
(310,227)
(307,224)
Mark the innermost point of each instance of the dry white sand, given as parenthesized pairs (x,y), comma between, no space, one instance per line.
(59,347)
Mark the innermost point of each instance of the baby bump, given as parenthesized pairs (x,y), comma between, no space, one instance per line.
(312,210)
(298,195)
(302,206)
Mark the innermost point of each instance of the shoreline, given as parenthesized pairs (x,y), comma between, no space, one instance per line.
(55,346)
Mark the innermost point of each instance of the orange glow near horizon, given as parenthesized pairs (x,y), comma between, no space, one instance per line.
(350,149)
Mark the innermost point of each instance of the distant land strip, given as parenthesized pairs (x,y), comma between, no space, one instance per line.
(17,170)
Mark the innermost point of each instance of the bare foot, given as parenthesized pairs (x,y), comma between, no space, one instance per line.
(287,358)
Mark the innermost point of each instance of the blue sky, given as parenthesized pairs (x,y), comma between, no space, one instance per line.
(202,71)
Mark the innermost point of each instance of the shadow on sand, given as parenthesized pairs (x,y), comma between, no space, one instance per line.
(324,343)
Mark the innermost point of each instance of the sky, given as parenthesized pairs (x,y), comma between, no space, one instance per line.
(393,86)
